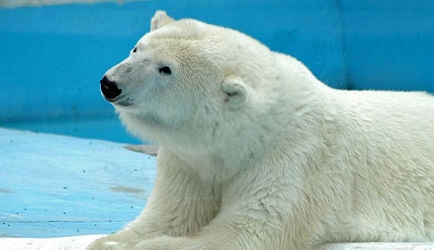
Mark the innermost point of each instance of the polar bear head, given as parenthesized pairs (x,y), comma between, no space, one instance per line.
(187,82)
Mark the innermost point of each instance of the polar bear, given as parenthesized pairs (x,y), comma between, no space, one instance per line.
(256,153)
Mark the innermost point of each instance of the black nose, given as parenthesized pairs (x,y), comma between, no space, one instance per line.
(109,89)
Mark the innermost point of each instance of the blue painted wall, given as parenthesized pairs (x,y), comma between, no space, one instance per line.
(51,58)
(388,44)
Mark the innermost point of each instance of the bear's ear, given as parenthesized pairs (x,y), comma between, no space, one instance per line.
(160,19)
(235,92)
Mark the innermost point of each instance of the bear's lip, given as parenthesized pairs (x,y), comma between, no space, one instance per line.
(122,101)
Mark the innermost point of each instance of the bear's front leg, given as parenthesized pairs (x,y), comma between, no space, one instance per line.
(254,215)
(179,205)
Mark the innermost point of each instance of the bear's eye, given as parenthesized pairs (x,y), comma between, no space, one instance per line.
(165,70)
(135,50)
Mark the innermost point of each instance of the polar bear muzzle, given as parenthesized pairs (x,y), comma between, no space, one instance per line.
(109,89)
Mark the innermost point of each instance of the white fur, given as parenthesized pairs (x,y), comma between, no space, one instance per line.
(256,153)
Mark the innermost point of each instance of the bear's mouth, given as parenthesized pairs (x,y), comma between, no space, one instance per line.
(123,101)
